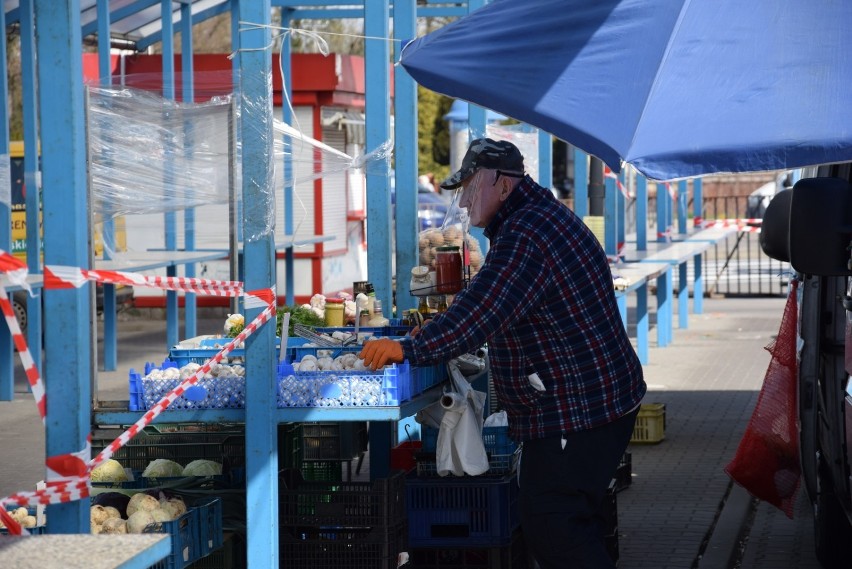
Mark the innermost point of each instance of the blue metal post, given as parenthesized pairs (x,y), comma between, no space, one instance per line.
(259,254)
(621,214)
(66,237)
(641,212)
(682,195)
(610,216)
(698,282)
(663,199)
(172,316)
(377,58)
(108,233)
(664,309)
(405,135)
(545,159)
(31,168)
(478,125)
(581,183)
(683,296)
(286,117)
(7,362)
(187,79)
(697,199)
(642,323)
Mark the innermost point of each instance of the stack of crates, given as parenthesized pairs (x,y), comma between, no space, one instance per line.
(339,525)
(470,521)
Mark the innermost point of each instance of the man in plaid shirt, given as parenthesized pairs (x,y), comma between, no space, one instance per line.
(563,367)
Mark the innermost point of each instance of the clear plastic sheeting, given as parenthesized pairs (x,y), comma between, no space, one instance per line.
(148,154)
(256,124)
(152,155)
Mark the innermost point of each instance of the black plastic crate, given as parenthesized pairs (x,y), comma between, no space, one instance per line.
(324,441)
(181,446)
(624,473)
(342,548)
(376,504)
(511,556)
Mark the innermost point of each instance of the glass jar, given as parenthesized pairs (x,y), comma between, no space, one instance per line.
(334,312)
(448,270)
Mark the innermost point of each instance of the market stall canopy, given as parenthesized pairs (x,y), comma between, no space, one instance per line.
(677,88)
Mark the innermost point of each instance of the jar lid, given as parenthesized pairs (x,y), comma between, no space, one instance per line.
(334,301)
(447,248)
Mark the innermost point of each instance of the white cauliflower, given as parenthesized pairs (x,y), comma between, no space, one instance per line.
(234,324)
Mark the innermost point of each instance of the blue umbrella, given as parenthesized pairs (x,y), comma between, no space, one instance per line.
(677,88)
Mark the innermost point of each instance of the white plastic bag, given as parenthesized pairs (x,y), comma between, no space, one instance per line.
(459,418)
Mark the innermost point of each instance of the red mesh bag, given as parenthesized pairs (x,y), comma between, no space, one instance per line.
(767,459)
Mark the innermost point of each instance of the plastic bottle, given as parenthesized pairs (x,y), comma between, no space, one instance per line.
(378,320)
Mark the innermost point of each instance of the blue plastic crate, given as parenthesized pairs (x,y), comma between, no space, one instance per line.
(387,388)
(395,328)
(461,511)
(186,547)
(501,451)
(496,440)
(211,346)
(207,393)
(210,534)
(427,376)
(37,530)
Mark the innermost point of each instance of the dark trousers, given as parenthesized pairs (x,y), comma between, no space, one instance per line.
(562,494)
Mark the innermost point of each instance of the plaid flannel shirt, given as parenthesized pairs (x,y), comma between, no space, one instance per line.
(544,303)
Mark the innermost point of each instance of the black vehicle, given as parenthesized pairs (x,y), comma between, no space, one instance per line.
(811,227)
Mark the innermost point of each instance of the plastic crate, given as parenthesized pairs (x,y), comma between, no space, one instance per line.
(650,424)
(207,393)
(501,451)
(226,447)
(186,546)
(210,536)
(511,556)
(37,530)
(341,548)
(624,472)
(227,556)
(209,347)
(470,511)
(314,504)
(385,388)
(325,441)
(395,328)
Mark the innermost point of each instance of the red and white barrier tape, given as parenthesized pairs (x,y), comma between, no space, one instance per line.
(69,487)
(27,361)
(667,234)
(670,188)
(68,474)
(619,254)
(621,187)
(743,224)
(59,276)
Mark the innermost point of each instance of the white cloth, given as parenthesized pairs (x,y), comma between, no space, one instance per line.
(459,418)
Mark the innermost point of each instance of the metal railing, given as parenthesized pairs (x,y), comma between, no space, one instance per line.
(736,266)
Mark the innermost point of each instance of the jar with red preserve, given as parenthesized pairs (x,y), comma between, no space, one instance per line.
(448,270)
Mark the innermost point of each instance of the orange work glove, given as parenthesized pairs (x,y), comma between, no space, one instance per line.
(378,353)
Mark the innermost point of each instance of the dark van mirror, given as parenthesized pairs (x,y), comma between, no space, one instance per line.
(821,226)
(775,229)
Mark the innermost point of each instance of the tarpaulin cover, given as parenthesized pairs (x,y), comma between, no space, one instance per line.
(677,88)
(767,459)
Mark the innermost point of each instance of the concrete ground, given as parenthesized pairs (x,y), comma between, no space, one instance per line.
(679,512)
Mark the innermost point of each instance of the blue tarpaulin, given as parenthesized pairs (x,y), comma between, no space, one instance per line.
(677,88)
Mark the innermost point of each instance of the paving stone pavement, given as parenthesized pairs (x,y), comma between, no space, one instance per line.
(708,378)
